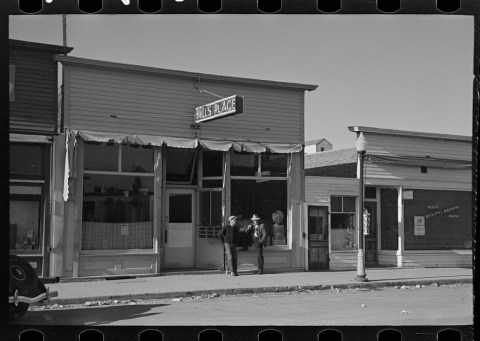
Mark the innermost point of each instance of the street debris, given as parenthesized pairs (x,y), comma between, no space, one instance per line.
(406,312)
(364,305)
(434,284)
(177,299)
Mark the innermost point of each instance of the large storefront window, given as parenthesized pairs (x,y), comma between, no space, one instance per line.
(343,236)
(389,218)
(259,186)
(438,220)
(268,199)
(117,205)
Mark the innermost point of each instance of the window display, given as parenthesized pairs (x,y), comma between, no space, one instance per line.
(118,208)
(343,226)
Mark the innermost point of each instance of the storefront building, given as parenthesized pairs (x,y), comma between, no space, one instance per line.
(418,195)
(34,123)
(155,162)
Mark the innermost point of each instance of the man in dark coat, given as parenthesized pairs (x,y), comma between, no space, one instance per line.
(229,236)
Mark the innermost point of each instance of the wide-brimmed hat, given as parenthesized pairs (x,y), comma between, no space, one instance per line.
(232,217)
(255,217)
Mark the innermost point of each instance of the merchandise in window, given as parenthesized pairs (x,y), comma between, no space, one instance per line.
(26,219)
(118,208)
(343,232)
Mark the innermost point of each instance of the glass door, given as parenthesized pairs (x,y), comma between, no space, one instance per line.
(318,258)
(180,229)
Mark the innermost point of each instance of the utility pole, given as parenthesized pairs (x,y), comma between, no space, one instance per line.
(64,19)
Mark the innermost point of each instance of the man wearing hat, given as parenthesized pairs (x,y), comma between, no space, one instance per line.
(229,236)
(259,237)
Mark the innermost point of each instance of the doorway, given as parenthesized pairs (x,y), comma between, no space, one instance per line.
(371,252)
(179,229)
(317,238)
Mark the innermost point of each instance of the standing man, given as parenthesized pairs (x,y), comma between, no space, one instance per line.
(229,236)
(259,237)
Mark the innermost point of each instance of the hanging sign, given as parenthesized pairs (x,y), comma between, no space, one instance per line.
(224,107)
(419,225)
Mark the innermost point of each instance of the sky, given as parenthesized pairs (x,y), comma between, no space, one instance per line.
(404,72)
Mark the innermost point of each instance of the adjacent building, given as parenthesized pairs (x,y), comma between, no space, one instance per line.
(34,122)
(418,194)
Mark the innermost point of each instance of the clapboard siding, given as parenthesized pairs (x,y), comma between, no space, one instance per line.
(447,258)
(319,189)
(382,144)
(398,175)
(156,104)
(35,105)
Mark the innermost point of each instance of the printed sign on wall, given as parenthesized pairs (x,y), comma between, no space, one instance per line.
(419,223)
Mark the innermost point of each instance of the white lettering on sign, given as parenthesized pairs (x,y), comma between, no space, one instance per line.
(441,212)
(221,108)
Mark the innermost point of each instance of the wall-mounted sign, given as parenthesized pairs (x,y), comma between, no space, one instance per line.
(442,212)
(124,229)
(408,194)
(419,225)
(223,107)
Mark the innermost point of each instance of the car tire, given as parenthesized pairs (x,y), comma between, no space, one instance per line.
(22,276)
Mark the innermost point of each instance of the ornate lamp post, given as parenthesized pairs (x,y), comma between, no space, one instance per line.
(361,146)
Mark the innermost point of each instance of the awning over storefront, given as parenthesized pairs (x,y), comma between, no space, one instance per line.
(175,142)
(30,138)
(421,161)
(178,142)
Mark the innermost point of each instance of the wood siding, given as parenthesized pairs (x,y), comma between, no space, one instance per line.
(411,176)
(163,105)
(319,189)
(35,106)
(381,144)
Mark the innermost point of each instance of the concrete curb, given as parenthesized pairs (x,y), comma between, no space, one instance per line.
(234,291)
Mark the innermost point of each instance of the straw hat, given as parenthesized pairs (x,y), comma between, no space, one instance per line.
(232,217)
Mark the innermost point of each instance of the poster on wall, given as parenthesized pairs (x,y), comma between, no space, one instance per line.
(419,223)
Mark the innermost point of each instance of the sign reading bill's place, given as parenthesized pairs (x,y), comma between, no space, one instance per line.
(224,107)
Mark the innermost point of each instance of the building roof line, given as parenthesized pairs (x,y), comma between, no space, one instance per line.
(408,133)
(178,73)
(39,46)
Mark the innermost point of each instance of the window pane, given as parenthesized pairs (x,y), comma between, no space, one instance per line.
(243,164)
(336,204)
(212,163)
(343,236)
(370,192)
(274,164)
(211,208)
(268,199)
(25,226)
(136,158)
(180,164)
(389,218)
(349,204)
(447,220)
(27,160)
(101,157)
(117,212)
(180,208)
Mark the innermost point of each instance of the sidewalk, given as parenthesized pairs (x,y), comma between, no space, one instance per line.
(182,285)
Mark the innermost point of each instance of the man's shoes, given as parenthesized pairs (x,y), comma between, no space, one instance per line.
(227,272)
(260,273)
(234,274)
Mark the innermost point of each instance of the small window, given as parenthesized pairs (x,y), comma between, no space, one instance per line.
(370,192)
(244,164)
(27,160)
(274,164)
(101,157)
(212,163)
(137,159)
(180,165)
(211,208)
